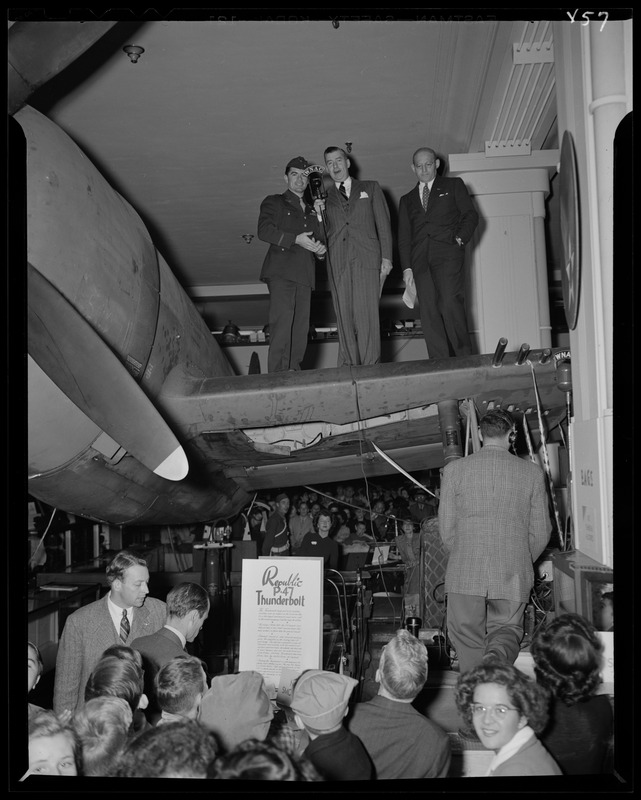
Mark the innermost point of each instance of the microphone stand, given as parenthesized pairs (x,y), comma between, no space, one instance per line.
(322,217)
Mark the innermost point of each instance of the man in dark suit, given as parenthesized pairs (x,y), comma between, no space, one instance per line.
(402,742)
(420,508)
(435,222)
(291,229)
(90,630)
(359,236)
(276,539)
(494,523)
(187,610)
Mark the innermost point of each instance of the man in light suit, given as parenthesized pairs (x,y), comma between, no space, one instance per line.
(90,630)
(494,523)
(359,235)
(435,222)
(187,610)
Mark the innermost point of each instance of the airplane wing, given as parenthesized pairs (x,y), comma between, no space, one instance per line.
(135,415)
(274,431)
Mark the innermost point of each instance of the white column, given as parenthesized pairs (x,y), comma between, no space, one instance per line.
(609,100)
(508,292)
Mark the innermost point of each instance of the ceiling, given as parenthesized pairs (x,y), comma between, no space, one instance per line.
(198,131)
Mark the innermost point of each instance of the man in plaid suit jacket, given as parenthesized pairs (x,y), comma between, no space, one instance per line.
(90,630)
(494,522)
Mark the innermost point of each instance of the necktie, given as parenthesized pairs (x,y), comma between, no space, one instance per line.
(124,626)
(426,194)
(342,190)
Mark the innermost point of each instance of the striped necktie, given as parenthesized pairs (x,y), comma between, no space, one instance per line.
(343,191)
(124,626)
(426,194)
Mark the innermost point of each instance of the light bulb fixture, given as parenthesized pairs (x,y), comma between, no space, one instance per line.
(348,147)
(133,51)
(247,237)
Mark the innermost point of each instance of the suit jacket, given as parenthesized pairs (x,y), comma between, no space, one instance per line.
(361,229)
(450,213)
(88,632)
(156,650)
(340,756)
(401,742)
(494,522)
(280,221)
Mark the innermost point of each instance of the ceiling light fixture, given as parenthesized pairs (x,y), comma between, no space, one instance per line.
(133,51)
(348,147)
(247,237)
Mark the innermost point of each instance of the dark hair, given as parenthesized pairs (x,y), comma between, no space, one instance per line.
(116,677)
(254,760)
(325,513)
(331,150)
(178,683)
(186,597)
(497,423)
(182,749)
(530,699)
(568,656)
(121,563)
(125,652)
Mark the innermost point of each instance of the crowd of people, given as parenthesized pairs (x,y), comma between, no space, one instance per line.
(130,700)
(231,727)
(343,519)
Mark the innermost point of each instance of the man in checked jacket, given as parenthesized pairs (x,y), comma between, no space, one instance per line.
(494,523)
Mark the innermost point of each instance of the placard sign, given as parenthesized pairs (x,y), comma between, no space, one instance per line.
(281,619)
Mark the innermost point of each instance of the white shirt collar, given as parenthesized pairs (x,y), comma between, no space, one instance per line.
(429,186)
(116,612)
(509,749)
(347,182)
(178,634)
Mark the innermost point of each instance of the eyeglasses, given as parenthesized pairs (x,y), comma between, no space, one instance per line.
(498,712)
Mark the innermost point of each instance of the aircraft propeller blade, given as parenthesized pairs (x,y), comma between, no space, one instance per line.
(83,366)
(38,51)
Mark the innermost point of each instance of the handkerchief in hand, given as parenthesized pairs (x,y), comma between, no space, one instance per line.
(409,295)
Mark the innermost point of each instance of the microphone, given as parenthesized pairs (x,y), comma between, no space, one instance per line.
(316,188)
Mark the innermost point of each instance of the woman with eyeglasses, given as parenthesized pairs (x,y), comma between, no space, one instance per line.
(507,710)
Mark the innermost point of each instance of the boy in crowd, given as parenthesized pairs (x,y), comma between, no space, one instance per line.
(319,702)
